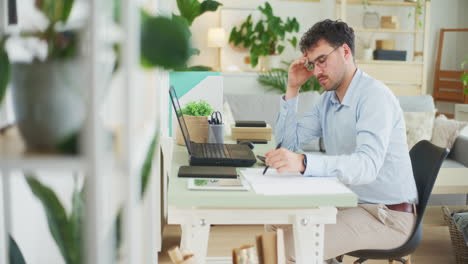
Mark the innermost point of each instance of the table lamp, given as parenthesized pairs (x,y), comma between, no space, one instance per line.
(217,39)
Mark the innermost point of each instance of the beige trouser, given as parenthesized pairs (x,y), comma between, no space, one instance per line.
(368,226)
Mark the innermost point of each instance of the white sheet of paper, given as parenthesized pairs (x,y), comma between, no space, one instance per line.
(274,183)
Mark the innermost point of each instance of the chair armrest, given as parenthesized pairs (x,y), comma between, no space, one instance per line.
(459,151)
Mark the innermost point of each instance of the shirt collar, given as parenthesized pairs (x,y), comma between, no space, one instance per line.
(348,98)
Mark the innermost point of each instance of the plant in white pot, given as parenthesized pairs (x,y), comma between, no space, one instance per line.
(196,117)
(265,39)
(42,62)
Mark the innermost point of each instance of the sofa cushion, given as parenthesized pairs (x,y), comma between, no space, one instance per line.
(446,131)
(450,163)
(419,126)
(417,103)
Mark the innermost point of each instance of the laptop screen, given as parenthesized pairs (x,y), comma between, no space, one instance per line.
(180,118)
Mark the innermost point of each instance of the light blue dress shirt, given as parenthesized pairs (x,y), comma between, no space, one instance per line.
(364,138)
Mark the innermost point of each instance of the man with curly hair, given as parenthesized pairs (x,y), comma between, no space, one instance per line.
(363,130)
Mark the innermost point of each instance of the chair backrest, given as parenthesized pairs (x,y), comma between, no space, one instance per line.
(426,160)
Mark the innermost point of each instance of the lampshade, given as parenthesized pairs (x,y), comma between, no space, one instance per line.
(216,37)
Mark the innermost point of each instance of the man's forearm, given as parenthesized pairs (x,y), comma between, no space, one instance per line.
(291,92)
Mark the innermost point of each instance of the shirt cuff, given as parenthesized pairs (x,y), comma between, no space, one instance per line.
(288,105)
(316,165)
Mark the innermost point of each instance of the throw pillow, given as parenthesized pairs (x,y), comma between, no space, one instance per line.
(419,126)
(446,131)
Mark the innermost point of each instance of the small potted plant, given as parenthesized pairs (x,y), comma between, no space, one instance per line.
(265,37)
(196,117)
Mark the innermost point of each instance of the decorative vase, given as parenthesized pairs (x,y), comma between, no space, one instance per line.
(371,20)
(197,127)
(48,102)
(368,54)
(274,61)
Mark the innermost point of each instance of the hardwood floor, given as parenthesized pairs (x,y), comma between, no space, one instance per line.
(436,247)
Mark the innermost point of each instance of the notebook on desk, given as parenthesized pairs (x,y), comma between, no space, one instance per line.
(208,153)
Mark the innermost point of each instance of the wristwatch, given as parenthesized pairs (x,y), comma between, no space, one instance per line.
(304,161)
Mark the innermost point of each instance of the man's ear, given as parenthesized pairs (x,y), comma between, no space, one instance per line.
(347,51)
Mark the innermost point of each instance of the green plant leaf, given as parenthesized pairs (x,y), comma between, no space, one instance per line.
(76,223)
(293,41)
(148,164)
(189,9)
(196,68)
(57,220)
(464,78)
(209,5)
(200,108)
(67,7)
(69,144)
(15,255)
(280,49)
(200,182)
(277,80)
(194,51)
(4,71)
(52,9)
(165,42)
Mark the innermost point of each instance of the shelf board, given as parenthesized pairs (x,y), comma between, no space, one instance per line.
(384,30)
(380,3)
(388,62)
(13,155)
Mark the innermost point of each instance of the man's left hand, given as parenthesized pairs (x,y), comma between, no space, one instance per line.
(284,160)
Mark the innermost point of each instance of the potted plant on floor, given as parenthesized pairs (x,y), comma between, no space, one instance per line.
(196,117)
(265,37)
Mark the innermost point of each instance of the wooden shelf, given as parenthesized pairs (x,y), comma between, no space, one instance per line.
(388,62)
(380,3)
(13,156)
(384,30)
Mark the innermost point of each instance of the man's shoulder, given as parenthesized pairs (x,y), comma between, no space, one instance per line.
(373,87)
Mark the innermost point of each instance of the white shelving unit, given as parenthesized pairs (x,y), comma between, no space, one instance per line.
(102,166)
(403,77)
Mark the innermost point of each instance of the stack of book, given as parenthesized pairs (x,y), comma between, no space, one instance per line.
(270,250)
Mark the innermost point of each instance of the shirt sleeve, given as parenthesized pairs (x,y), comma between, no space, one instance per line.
(374,124)
(293,133)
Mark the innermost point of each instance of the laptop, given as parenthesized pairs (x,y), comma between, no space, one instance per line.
(210,154)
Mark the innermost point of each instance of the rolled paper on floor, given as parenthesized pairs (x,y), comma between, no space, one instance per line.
(175,255)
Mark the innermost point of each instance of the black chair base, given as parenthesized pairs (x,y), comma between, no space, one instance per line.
(390,261)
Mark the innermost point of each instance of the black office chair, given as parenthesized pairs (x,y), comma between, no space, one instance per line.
(426,160)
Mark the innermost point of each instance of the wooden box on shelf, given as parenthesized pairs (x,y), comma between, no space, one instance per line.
(385,44)
(389,22)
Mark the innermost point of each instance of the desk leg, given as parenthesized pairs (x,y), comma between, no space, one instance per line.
(308,240)
(195,236)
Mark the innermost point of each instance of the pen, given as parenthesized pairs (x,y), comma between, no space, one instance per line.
(266,168)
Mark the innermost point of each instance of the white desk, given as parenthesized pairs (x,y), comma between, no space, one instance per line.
(195,211)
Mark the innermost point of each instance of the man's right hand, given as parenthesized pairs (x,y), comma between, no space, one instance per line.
(297,76)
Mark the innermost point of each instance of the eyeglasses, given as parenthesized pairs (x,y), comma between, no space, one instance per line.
(320,61)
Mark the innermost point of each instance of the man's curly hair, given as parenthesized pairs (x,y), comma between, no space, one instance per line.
(335,32)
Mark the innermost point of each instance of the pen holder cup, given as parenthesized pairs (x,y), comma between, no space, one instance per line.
(216,133)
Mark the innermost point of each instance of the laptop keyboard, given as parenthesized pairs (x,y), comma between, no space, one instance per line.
(212,150)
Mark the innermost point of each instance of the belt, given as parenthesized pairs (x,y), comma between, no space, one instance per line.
(403,207)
